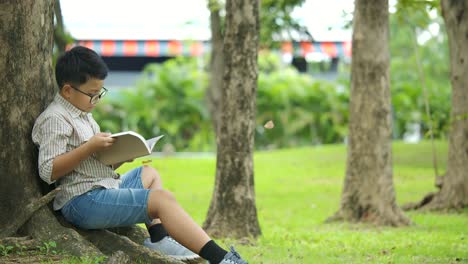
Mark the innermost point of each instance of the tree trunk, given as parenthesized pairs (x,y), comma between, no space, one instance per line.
(454,190)
(27,88)
(213,95)
(26,41)
(368,192)
(233,211)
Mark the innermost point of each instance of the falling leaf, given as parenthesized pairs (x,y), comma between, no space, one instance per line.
(269,125)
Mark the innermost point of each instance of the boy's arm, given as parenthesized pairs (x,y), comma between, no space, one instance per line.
(67,162)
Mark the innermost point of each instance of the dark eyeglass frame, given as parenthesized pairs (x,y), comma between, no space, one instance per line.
(92,96)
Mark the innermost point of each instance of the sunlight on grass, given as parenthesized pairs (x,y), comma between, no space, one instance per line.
(297,189)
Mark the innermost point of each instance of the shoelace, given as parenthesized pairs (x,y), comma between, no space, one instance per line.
(235,257)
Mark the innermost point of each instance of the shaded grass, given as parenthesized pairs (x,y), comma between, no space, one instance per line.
(297,189)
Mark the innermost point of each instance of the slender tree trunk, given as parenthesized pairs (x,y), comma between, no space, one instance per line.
(368,193)
(233,211)
(213,94)
(59,31)
(454,191)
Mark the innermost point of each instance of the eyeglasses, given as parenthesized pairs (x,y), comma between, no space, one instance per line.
(93,98)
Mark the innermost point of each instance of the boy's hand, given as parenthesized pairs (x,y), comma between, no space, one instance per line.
(100,141)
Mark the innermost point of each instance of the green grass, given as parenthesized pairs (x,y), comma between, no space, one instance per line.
(297,189)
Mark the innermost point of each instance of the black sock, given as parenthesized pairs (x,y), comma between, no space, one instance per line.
(157,232)
(212,252)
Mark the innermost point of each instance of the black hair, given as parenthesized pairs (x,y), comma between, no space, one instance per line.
(78,65)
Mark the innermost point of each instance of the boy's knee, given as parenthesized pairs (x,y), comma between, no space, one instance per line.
(150,171)
(151,178)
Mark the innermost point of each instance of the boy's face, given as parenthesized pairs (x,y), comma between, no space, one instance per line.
(81,96)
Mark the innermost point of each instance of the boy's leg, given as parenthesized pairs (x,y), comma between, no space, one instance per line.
(151,179)
(162,205)
(146,177)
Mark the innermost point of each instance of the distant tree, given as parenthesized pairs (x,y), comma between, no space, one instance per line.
(213,94)
(368,192)
(233,211)
(60,37)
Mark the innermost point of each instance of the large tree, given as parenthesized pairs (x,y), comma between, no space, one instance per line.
(454,186)
(233,211)
(368,192)
(26,41)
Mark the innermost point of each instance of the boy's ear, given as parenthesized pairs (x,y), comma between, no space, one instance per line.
(66,91)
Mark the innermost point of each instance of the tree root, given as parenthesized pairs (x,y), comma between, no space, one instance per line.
(118,258)
(391,217)
(120,244)
(417,205)
(134,233)
(25,214)
(21,242)
(44,226)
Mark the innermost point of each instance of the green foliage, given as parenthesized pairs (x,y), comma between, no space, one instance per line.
(169,100)
(48,247)
(5,250)
(275,19)
(407,83)
(305,111)
(297,189)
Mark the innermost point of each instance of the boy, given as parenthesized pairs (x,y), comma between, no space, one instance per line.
(92,195)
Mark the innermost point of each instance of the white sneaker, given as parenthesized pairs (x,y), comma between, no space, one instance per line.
(168,246)
(233,258)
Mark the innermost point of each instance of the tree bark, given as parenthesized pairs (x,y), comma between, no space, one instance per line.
(368,192)
(213,95)
(26,213)
(454,190)
(233,212)
(27,88)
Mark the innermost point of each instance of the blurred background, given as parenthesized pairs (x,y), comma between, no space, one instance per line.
(158,53)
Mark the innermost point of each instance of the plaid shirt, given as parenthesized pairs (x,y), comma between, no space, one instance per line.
(59,129)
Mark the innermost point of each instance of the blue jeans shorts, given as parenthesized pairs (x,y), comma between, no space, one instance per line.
(106,208)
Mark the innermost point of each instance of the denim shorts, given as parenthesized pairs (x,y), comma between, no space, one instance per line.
(106,208)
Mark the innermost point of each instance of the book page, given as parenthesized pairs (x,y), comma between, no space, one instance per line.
(151,142)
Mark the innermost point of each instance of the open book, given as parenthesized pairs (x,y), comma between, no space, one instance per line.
(129,145)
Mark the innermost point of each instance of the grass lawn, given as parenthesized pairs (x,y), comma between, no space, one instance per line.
(297,189)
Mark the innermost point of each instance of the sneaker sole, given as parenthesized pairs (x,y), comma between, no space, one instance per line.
(194,257)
